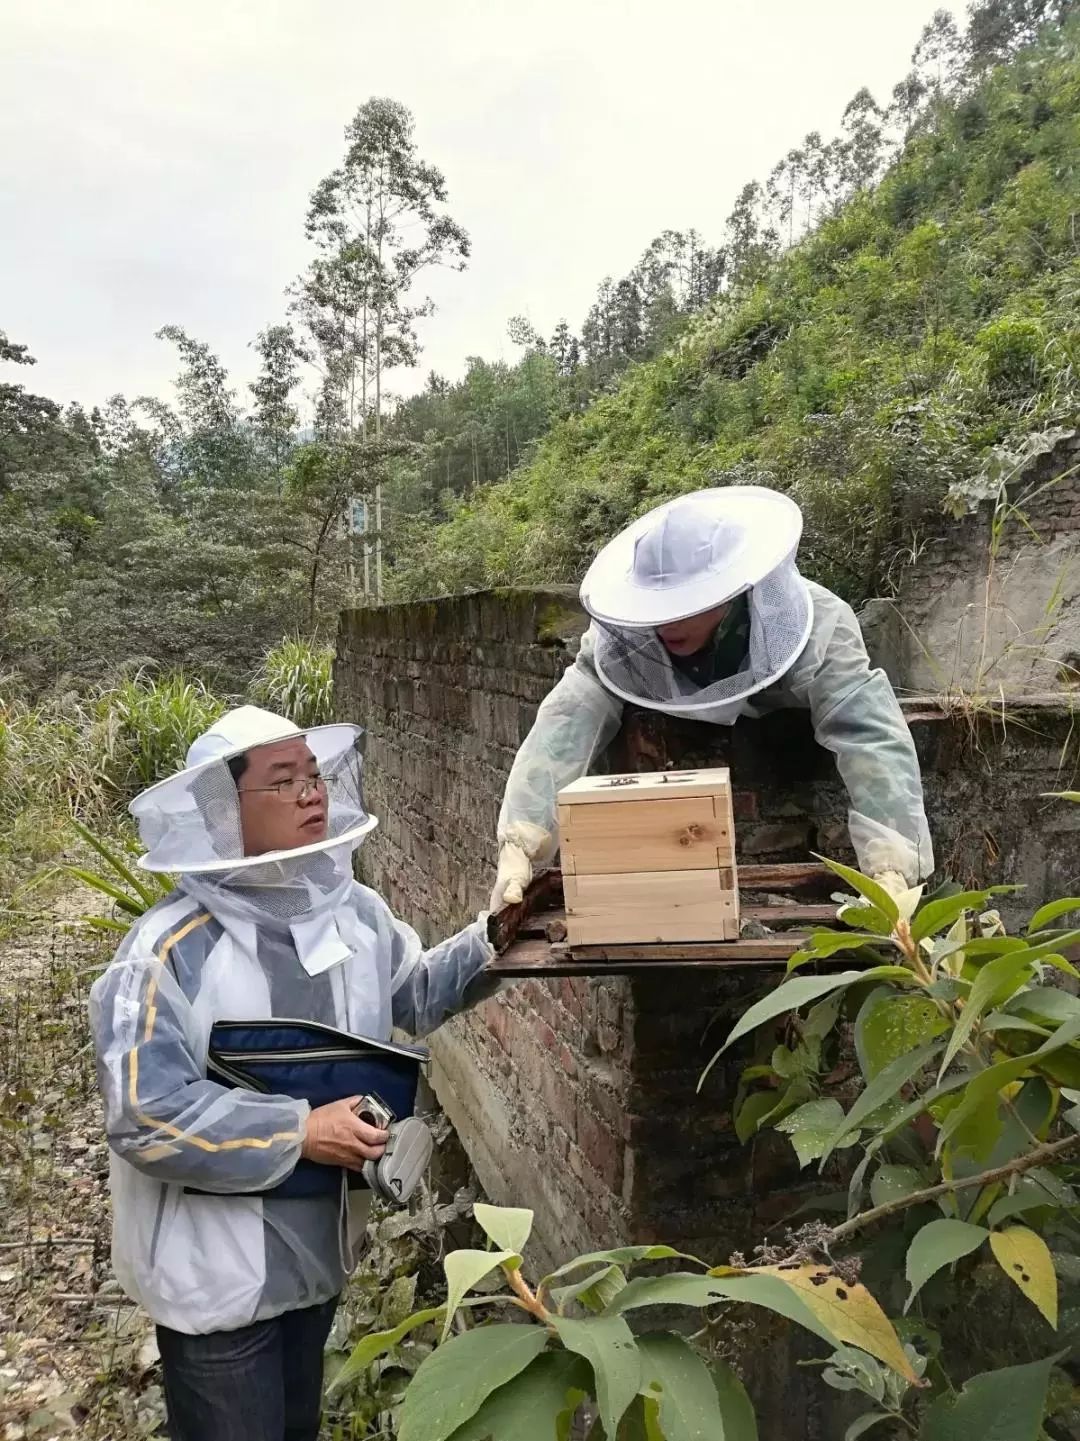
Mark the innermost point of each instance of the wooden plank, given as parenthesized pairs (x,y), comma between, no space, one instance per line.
(650,906)
(787,879)
(538,958)
(665,835)
(777,948)
(786,916)
(795,915)
(644,785)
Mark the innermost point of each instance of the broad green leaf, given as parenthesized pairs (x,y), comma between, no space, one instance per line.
(849,1369)
(736,1408)
(824,943)
(890,1024)
(1025,1198)
(877,896)
(1047,914)
(848,1311)
(937,915)
(529,1407)
(792,994)
(811,1126)
(620,1256)
(997,975)
(678,1379)
(595,1292)
(860,1426)
(892,1183)
(753,1111)
(1045,1003)
(751,1287)
(1025,1259)
(608,1345)
(985,1084)
(939,1244)
(508,1226)
(1005,1405)
(457,1378)
(1002,1021)
(881,1089)
(861,917)
(821,1018)
(378,1343)
(1037,950)
(463,1270)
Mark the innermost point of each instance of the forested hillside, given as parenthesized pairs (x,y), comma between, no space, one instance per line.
(925,317)
(882,309)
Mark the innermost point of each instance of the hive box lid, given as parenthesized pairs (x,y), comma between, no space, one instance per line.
(646,786)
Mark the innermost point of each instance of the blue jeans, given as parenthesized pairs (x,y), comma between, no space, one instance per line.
(261,1383)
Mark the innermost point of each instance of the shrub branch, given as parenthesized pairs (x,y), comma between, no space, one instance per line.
(1049,1152)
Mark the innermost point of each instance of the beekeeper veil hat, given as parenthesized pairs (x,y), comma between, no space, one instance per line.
(686,557)
(190,825)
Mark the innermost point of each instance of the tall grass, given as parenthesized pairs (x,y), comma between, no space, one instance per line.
(296,679)
(69,763)
(147,724)
(79,758)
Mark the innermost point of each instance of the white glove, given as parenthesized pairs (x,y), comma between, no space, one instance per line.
(522,843)
(893,882)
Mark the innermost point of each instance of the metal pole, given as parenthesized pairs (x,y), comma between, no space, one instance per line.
(378,542)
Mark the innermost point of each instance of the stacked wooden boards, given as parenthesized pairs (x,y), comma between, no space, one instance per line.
(649,858)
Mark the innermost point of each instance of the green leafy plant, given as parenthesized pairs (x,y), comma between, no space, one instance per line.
(130,893)
(495,1379)
(963,1110)
(149,723)
(296,679)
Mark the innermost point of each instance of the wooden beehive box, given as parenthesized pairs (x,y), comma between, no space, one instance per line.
(649,857)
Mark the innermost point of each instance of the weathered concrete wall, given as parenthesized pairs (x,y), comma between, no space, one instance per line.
(961,624)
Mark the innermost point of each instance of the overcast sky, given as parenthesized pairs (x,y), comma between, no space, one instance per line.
(156,155)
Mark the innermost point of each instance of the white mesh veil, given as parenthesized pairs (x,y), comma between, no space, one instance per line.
(634,664)
(190,823)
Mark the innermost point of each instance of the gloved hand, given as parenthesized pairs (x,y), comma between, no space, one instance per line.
(522,843)
(893,882)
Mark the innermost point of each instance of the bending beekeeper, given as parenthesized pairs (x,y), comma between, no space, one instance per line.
(698,610)
(266,922)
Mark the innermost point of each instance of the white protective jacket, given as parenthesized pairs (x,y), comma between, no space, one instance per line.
(853,710)
(193,1252)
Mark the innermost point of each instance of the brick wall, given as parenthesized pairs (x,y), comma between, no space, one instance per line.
(580,1094)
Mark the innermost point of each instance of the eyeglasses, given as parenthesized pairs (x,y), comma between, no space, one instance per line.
(298,789)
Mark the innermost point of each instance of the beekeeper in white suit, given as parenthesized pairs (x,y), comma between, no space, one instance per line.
(698,610)
(266,922)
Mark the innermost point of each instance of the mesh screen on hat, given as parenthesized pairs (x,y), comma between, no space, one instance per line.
(192,821)
(635,664)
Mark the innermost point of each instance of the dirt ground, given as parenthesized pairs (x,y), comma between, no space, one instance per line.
(76,1357)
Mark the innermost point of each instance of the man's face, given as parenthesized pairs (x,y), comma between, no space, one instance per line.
(687,637)
(272,820)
